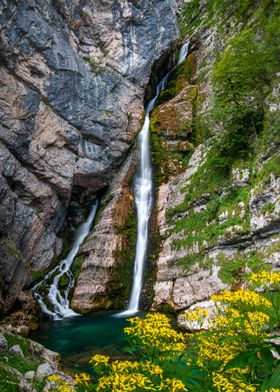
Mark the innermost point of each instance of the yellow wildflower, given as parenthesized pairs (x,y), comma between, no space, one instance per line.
(242,297)
(213,349)
(98,358)
(231,381)
(172,385)
(59,385)
(155,332)
(266,279)
(82,378)
(273,390)
(196,314)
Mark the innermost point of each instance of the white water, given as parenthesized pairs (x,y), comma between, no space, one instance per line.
(183,53)
(143,195)
(58,300)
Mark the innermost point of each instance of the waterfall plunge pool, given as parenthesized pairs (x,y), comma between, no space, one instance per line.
(76,339)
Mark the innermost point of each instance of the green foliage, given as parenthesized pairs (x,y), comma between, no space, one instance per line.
(8,380)
(94,64)
(233,268)
(242,80)
(17,340)
(76,266)
(234,354)
(268,207)
(9,362)
(274,311)
(243,76)
(177,80)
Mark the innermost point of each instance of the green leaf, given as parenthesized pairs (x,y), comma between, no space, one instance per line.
(273,381)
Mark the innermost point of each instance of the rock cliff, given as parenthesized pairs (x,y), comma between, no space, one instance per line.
(73,77)
(218,212)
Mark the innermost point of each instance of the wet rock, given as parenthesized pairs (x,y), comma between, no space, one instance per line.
(40,351)
(264,207)
(26,386)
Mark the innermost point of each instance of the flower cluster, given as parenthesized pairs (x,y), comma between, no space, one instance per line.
(242,298)
(234,322)
(58,384)
(136,376)
(82,378)
(154,333)
(266,279)
(215,351)
(239,323)
(124,382)
(98,358)
(231,381)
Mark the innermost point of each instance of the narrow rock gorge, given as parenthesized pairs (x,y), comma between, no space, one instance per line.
(76,77)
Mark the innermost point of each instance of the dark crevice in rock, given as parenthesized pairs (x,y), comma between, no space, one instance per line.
(159,69)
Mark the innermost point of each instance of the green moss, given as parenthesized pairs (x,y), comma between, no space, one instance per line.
(188,261)
(122,275)
(64,281)
(268,207)
(178,80)
(93,63)
(168,161)
(76,266)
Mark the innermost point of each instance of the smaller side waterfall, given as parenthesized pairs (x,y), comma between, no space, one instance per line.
(143,194)
(59,300)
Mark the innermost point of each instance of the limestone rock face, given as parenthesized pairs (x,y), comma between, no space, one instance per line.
(212,233)
(101,281)
(73,76)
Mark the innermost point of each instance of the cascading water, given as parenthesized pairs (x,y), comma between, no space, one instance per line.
(59,300)
(143,194)
(183,53)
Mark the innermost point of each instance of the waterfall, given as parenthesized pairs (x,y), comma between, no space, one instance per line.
(183,53)
(143,194)
(58,300)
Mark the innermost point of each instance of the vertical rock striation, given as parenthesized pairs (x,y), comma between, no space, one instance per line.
(73,76)
(218,213)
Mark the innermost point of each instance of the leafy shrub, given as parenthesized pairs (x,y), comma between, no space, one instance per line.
(236,353)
